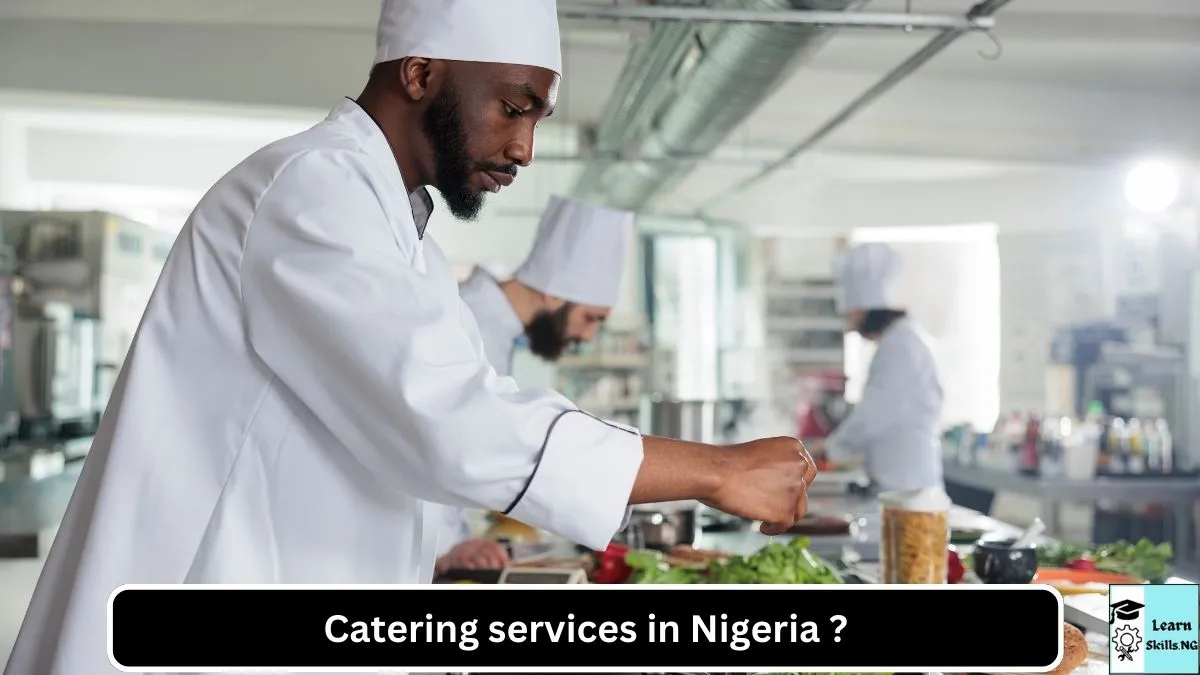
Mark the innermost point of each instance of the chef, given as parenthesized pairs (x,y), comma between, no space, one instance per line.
(560,295)
(893,431)
(306,388)
(565,289)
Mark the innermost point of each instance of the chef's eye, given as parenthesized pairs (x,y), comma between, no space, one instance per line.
(512,111)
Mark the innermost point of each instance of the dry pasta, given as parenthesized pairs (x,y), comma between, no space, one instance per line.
(913,546)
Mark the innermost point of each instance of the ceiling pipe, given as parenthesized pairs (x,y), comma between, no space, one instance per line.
(983,10)
(796,16)
(708,79)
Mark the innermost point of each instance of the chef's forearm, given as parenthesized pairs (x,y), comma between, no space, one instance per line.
(675,470)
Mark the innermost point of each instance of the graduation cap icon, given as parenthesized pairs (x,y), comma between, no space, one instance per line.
(1125,610)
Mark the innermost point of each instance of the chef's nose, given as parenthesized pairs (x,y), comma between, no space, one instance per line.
(520,149)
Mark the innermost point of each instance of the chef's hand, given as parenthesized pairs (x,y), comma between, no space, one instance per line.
(766,480)
(474,554)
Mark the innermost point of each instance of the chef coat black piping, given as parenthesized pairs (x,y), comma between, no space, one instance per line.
(425,198)
(542,452)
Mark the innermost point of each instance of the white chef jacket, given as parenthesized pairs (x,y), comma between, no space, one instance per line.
(498,322)
(894,427)
(304,389)
(500,327)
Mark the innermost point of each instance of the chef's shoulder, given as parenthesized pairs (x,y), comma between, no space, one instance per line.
(323,178)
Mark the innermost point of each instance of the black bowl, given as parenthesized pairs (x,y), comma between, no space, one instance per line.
(997,562)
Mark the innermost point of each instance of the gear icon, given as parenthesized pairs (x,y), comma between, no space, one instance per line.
(1126,640)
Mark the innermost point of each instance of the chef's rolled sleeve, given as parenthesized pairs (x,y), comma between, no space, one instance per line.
(583,511)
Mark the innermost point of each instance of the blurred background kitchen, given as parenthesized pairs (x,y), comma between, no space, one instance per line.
(1037,169)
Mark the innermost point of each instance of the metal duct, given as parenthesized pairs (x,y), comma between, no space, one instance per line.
(687,88)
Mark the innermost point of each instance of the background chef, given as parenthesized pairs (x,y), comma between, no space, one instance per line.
(893,430)
(559,296)
(306,388)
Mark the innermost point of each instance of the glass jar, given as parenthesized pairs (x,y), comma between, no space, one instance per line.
(915,537)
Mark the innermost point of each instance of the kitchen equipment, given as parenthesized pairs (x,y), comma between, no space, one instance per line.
(536,575)
(817,525)
(822,404)
(103,266)
(701,421)
(997,561)
(1030,535)
(10,407)
(662,526)
(56,371)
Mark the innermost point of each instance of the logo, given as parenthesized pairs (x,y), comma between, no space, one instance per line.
(1126,641)
(1154,628)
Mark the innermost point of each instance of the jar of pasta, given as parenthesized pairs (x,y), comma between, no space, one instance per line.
(915,533)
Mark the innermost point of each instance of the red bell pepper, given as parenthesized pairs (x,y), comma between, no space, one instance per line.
(610,566)
(954,568)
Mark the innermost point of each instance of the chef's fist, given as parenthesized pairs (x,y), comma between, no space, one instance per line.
(767,480)
(474,554)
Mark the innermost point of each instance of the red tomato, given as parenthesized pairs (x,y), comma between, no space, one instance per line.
(1082,564)
(954,568)
(611,567)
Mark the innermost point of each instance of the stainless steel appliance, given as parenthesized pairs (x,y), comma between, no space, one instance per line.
(701,421)
(56,373)
(662,526)
(10,414)
(86,279)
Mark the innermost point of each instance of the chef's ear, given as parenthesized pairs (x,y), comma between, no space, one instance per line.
(552,303)
(415,73)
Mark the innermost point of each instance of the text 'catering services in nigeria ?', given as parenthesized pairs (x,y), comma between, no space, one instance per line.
(584,628)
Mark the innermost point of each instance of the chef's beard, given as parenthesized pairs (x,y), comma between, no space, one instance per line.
(453,167)
(547,333)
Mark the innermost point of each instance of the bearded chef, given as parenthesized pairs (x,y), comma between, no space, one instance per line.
(561,295)
(893,430)
(306,387)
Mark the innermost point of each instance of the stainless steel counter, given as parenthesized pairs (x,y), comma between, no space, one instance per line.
(1181,494)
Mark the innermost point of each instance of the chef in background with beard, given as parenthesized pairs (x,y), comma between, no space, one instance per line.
(560,296)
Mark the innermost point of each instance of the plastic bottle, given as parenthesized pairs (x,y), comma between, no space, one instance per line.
(1117,446)
(1166,445)
(1030,455)
(1136,444)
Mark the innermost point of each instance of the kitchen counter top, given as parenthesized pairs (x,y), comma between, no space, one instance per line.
(1180,494)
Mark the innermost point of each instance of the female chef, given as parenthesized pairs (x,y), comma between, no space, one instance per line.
(893,431)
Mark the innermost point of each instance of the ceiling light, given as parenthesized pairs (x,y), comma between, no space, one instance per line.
(1152,186)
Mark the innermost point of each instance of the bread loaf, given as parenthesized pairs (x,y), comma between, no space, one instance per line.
(1075,650)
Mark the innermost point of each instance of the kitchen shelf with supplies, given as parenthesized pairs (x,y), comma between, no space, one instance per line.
(607,377)
(802,324)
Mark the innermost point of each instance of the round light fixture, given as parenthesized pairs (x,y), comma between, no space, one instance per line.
(1152,186)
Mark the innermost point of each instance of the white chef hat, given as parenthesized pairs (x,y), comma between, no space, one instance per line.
(521,32)
(579,252)
(866,276)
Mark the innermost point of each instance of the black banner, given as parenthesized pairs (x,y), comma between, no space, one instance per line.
(596,627)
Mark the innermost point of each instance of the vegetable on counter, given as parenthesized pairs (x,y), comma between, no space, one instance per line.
(955,570)
(790,563)
(1143,560)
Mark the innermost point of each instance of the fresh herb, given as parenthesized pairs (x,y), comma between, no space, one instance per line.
(1144,560)
(775,563)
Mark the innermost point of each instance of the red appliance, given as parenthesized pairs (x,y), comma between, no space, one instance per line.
(822,403)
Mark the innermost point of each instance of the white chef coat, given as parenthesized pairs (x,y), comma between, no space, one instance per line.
(500,327)
(498,321)
(894,427)
(304,388)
